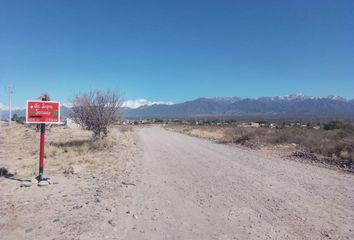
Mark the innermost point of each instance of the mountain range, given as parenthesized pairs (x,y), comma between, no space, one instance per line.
(295,106)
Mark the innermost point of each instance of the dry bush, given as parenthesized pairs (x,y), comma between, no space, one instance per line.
(345,148)
(333,143)
(236,135)
(96,111)
(335,147)
(251,137)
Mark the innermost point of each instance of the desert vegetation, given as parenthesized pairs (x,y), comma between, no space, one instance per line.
(96,111)
(333,144)
(85,176)
(64,147)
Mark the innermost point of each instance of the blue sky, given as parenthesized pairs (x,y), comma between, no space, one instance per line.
(176,50)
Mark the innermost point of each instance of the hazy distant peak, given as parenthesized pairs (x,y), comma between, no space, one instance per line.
(291,106)
(299,97)
(227,99)
(143,102)
(337,98)
(290,97)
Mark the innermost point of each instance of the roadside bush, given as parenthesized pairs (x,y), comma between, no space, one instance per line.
(336,144)
(246,136)
(331,143)
(236,135)
(96,111)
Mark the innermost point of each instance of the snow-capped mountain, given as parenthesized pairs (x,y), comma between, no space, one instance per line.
(143,102)
(293,106)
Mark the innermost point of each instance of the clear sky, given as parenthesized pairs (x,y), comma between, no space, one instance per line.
(176,50)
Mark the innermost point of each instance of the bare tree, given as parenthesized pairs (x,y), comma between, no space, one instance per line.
(96,111)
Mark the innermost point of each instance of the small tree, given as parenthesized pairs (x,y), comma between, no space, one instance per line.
(96,111)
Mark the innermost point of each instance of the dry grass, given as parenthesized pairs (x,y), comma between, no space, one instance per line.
(19,149)
(338,145)
(79,147)
(208,132)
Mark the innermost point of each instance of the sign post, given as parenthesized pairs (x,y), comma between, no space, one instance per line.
(42,112)
(41,154)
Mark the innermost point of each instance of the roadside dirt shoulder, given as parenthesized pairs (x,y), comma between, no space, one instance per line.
(90,202)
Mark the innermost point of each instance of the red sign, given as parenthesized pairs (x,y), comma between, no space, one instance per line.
(42,112)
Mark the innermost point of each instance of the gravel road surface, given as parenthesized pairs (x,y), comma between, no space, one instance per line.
(189,188)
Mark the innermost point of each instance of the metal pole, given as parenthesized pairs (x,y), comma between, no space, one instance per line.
(10,110)
(41,153)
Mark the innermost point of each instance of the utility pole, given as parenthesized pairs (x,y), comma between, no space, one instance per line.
(10,102)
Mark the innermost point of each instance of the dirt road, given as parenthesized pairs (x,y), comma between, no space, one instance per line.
(189,188)
(156,184)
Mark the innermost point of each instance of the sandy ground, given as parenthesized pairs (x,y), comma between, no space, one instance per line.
(90,204)
(156,184)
